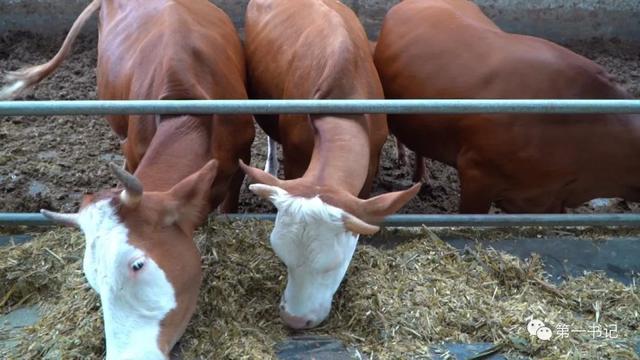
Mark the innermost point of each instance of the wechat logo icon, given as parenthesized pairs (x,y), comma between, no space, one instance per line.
(539,329)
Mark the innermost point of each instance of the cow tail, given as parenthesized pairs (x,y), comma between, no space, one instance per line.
(27,77)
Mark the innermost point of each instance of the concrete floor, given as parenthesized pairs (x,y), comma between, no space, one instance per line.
(566,256)
(11,328)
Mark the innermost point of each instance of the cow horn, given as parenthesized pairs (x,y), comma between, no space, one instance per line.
(67,219)
(264,191)
(358,226)
(259,176)
(132,193)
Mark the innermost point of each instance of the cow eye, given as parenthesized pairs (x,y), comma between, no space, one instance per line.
(137,265)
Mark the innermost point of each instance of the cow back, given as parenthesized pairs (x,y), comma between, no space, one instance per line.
(172,49)
(309,49)
(448,49)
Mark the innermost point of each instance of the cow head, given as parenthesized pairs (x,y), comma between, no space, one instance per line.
(141,259)
(315,237)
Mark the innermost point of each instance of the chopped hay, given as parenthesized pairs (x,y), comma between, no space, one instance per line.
(394,303)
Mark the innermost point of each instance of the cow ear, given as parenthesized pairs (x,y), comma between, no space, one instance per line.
(386,204)
(189,202)
(259,176)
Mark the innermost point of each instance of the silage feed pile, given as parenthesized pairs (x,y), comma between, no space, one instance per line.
(394,303)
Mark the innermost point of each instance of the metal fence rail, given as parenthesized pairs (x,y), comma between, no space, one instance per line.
(543,106)
(123,107)
(444,220)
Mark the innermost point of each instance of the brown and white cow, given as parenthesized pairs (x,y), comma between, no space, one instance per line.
(317,49)
(140,256)
(523,163)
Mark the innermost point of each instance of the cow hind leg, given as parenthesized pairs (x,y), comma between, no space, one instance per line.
(420,171)
(401,153)
(230,203)
(272,165)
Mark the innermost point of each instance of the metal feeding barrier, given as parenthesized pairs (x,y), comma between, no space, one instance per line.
(412,220)
(540,106)
(139,107)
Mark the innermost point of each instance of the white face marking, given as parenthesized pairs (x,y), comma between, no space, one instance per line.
(134,291)
(310,238)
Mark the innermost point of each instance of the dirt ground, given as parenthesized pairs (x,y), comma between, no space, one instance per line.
(49,162)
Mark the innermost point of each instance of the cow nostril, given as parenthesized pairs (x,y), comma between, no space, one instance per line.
(308,323)
(281,307)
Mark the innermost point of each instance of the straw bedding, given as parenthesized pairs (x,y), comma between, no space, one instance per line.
(394,303)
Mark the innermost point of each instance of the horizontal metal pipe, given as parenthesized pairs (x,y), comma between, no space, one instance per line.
(176,107)
(502,220)
(508,220)
(31,219)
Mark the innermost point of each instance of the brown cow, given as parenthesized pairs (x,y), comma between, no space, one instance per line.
(523,163)
(140,256)
(317,49)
